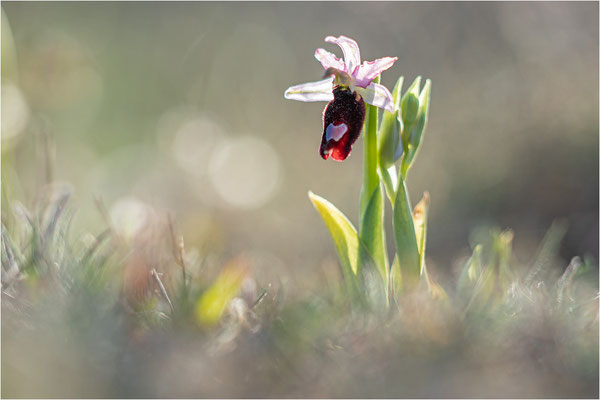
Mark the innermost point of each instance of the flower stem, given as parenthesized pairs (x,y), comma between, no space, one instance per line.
(370,176)
(371,231)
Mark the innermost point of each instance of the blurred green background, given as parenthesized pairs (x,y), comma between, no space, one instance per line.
(179,107)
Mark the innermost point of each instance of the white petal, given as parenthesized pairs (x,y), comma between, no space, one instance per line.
(329,60)
(377,95)
(350,49)
(312,91)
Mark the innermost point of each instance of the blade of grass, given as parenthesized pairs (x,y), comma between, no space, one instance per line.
(565,280)
(548,249)
(161,287)
(471,271)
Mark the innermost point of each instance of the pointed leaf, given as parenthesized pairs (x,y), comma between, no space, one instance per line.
(397,92)
(395,287)
(404,235)
(213,302)
(424,98)
(344,237)
(372,233)
(414,87)
(389,177)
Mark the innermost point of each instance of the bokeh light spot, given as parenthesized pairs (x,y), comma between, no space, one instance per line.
(15,112)
(245,172)
(129,215)
(193,144)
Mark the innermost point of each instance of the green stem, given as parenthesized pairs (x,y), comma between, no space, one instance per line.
(370,177)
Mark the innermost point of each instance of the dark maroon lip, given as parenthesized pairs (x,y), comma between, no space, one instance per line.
(346,110)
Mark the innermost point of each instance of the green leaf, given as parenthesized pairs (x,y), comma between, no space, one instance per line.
(413,88)
(395,278)
(211,305)
(345,239)
(424,98)
(389,177)
(404,235)
(372,233)
(397,93)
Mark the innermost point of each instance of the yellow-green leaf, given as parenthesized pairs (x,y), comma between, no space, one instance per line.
(213,302)
(344,237)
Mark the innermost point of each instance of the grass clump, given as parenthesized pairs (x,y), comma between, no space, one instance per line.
(109,315)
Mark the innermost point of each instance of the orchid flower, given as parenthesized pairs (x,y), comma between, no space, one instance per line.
(347,86)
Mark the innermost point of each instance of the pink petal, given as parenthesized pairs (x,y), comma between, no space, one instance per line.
(311,91)
(369,70)
(377,95)
(350,49)
(329,60)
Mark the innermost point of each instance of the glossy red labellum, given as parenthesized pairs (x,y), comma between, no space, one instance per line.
(343,120)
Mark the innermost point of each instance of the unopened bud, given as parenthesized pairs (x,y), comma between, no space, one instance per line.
(389,143)
(410,103)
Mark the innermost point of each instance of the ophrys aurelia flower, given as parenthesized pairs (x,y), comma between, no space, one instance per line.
(347,86)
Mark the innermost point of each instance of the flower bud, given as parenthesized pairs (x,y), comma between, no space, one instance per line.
(410,103)
(410,108)
(412,134)
(390,145)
